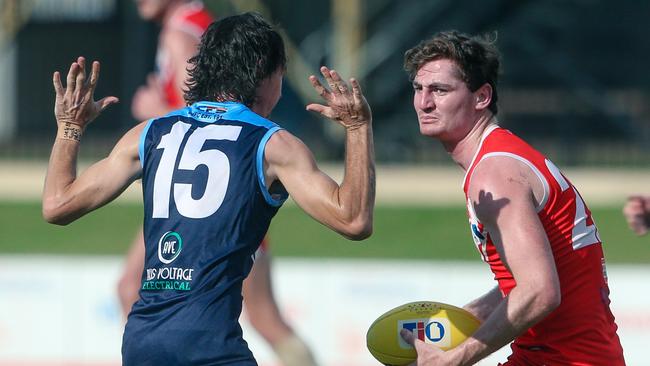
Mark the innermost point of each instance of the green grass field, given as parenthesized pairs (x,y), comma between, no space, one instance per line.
(400,232)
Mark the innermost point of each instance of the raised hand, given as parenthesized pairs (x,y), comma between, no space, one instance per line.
(347,107)
(75,104)
(637,214)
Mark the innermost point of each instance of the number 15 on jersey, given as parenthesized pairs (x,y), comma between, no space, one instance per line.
(191,157)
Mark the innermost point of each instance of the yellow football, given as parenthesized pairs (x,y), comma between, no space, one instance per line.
(442,325)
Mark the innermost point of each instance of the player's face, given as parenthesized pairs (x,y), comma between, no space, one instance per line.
(152,9)
(443,102)
(268,93)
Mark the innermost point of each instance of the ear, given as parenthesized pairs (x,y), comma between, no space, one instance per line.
(483,97)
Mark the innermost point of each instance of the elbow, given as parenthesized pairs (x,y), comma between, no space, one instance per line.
(548,299)
(53,214)
(358,230)
(55,219)
(554,300)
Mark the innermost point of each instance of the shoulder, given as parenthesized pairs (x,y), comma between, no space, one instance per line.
(175,39)
(135,132)
(499,171)
(284,149)
(285,153)
(498,181)
(128,145)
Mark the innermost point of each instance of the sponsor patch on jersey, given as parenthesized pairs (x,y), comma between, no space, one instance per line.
(477,233)
(169,246)
(211,109)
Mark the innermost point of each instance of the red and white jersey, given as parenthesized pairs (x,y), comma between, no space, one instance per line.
(581,331)
(193,19)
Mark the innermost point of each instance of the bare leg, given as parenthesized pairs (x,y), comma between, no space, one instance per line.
(265,317)
(128,286)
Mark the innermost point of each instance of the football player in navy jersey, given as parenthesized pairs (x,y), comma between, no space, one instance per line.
(214,174)
(182,23)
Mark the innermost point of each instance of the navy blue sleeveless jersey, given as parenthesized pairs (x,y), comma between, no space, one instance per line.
(206,209)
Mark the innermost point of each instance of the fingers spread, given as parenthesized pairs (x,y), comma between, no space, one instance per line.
(356,90)
(322,110)
(58,87)
(70,79)
(80,82)
(327,74)
(320,89)
(107,101)
(339,83)
(94,75)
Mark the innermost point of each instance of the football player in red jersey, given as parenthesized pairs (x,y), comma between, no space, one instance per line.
(183,22)
(528,221)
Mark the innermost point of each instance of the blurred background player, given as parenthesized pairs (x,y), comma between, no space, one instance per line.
(182,24)
(529,223)
(637,213)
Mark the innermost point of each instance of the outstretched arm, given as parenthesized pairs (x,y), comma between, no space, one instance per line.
(67,197)
(346,208)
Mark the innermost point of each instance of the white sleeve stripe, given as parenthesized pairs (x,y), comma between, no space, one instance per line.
(557,175)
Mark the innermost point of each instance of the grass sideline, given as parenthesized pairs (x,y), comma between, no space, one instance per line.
(400,232)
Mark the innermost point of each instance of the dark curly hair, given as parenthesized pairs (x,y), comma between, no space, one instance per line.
(477,59)
(236,53)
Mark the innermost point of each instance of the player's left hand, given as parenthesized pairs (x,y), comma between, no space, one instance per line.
(75,103)
(428,355)
(347,107)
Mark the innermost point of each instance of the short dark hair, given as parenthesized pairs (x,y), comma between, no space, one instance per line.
(477,59)
(236,53)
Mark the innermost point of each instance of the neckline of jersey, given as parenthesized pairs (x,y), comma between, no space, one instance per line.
(486,133)
(230,106)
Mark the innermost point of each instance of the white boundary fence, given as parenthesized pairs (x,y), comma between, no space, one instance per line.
(57,310)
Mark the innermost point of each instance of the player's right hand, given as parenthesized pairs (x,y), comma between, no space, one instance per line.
(149,100)
(637,214)
(348,108)
(75,103)
(427,354)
